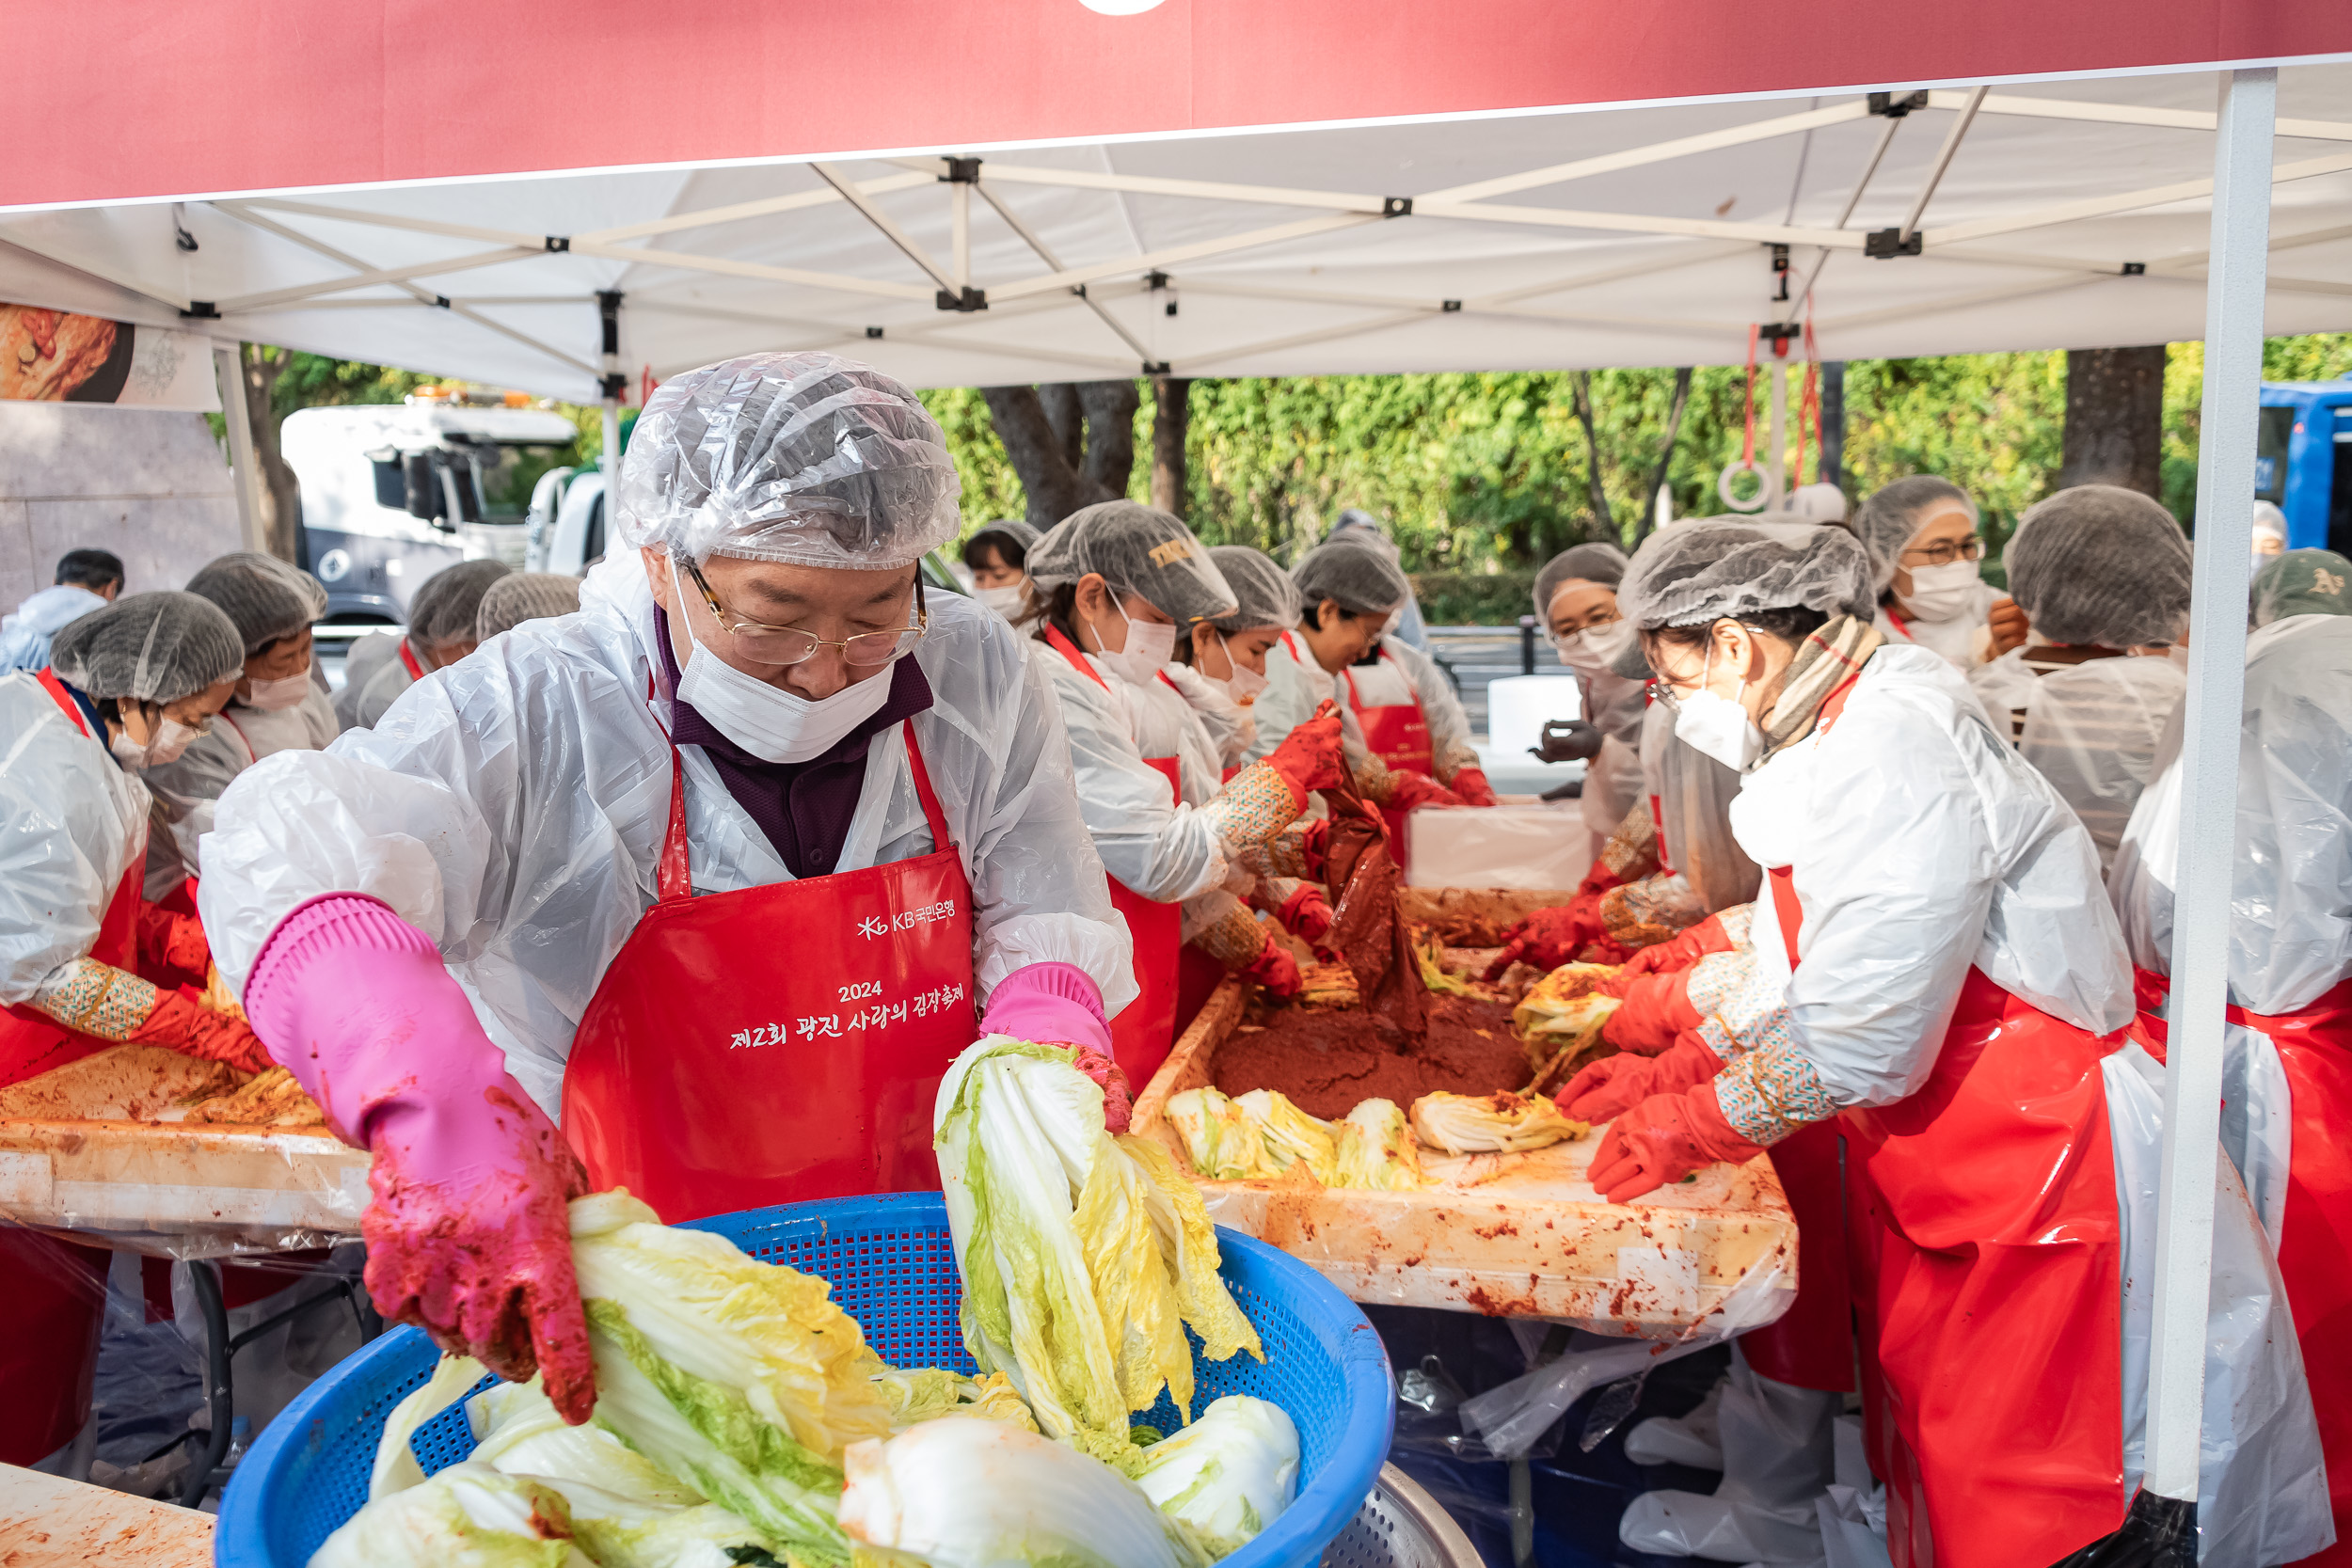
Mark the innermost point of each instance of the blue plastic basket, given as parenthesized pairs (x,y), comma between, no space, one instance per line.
(892,1267)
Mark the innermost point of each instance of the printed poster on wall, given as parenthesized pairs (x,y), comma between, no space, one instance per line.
(58,356)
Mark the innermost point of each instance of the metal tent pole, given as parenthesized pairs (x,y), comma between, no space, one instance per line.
(243,473)
(2209,762)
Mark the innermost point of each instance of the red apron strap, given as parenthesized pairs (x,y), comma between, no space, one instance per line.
(933,816)
(415,670)
(673,873)
(64,699)
(251,757)
(1896,621)
(1068,650)
(1353,700)
(1657,826)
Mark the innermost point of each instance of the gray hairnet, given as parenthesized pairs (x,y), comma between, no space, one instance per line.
(1138,551)
(1022,531)
(1364,581)
(805,458)
(2098,564)
(445,606)
(1355,526)
(150,647)
(519,596)
(1894,514)
(2269,521)
(1597,563)
(266,598)
(2302,583)
(1694,573)
(1266,594)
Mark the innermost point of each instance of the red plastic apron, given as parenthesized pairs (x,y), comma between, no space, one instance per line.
(1398,734)
(1986,1270)
(1145,1030)
(2314,1046)
(32,1042)
(777,1043)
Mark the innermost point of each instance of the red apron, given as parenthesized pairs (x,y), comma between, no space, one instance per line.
(1987,1282)
(1145,1030)
(2314,1046)
(1398,734)
(32,1042)
(776,1044)
(49,1311)
(408,657)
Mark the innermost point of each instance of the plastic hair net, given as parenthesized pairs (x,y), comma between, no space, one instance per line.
(1004,531)
(2270,522)
(804,458)
(1355,526)
(1138,551)
(266,598)
(1697,572)
(2302,583)
(2098,564)
(1266,594)
(150,648)
(1597,562)
(1364,581)
(444,609)
(1889,519)
(519,596)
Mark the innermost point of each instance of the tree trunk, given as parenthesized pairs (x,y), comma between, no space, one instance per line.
(1110,457)
(281,495)
(1073,443)
(1170,423)
(1059,399)
(1581,384)
(1642,524)
(2114,418)
(1832,469)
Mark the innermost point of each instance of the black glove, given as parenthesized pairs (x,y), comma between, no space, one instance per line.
(1567,740)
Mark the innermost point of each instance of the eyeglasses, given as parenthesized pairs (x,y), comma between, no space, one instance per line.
(1943,553)
(762,645)
(1602,618)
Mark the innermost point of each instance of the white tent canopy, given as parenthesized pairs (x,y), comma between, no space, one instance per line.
(2051,214)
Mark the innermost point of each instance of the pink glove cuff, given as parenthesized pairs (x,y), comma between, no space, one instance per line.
(1050,1002)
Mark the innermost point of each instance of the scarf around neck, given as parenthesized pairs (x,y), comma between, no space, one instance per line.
(1835,651)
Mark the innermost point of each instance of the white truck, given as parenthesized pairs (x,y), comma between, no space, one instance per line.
(391,493)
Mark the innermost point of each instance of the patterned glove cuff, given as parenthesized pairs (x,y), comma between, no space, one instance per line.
(1771,1092)
(1235,940)
(97,999)
(1255,805)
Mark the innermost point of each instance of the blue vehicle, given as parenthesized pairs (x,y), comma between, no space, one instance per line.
(2303,461)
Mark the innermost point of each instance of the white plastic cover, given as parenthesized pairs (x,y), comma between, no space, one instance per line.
(70,821)
(1778,1460)
(513,807)
(1535,847)
(1694,794)
(2290,919)
(2092,730)
(1230,726)
(240,737)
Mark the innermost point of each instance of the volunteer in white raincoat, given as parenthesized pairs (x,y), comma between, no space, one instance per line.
(441,616)
(2102,574)
(1924,550)
(1116,587)
(721,863)
(87,581)
(1957,993)
(2286,1096)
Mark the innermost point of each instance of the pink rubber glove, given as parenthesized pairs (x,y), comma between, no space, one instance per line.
(469,1236)
(1052,1003)
(1613,1085)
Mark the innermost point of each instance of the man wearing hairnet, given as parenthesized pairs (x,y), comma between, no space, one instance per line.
(724,865)
(2287,1050)
(1407,739)
(1949,988)
(2102,574)
(1925,548)
(441,632)
(1117,587)
(282,702)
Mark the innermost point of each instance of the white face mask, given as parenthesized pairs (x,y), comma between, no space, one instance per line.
(1592,651)
(767,720)
(1007,601)
(1149,645)
(1717,726)
(1940,592)
(171,739)
(272,696)
(1243,684)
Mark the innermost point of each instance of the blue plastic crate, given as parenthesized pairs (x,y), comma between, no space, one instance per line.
(892,1268)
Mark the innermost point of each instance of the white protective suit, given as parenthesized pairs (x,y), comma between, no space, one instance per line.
(514,807)
(1614,782)
(24,636)
(373,677)
(71,821)
(1959,637)
(1295,685)
(1962,856)
(1230,726)
(190,786)
(1694,794)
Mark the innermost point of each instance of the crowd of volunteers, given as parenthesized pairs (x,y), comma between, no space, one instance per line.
(561,890)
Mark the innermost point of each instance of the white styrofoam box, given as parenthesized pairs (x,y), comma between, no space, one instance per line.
(1514,846)
(1516,706)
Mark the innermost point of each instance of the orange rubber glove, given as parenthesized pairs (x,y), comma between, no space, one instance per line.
(1608,1088)
(179,1023)
(1306,914)
(1309,757)
(1657,1008)
(176,941)
(1408,791)
(1664,1139)
(1471,785)
(1274,969)
(1674,953)
(1552,937)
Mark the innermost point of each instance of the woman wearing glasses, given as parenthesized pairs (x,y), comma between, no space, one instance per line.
(1921,534)
(727,866)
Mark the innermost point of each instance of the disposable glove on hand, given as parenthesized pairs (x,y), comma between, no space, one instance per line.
(1568,741)
(1052,1003)
(179,1023)
(1274,969)
(468,1237)
(1470,784)
(1408,791)
(1306,914)
(1550,937)
(1657,1008)
(1674,953)
(1608,1088)
(1664,1139)
(177,940)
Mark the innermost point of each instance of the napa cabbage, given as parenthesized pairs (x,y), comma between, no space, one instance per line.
(1376,1150)
(1491,1123)
(1227,1476)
